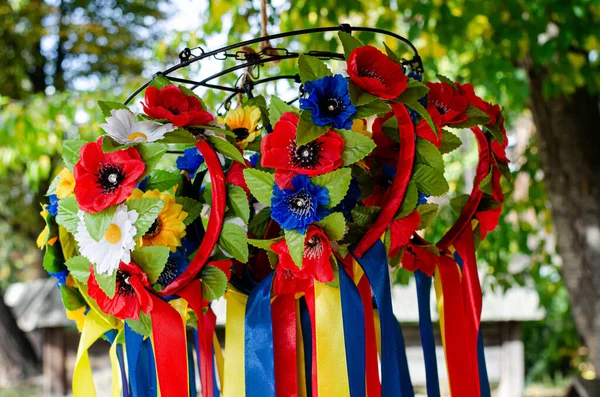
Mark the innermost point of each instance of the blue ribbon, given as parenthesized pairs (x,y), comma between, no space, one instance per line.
(258,338)
(122,370)
(484,383)
(306,329)
(426,330)
(216,391)
(353,317)
(140,364)
(191,369)
(394,365)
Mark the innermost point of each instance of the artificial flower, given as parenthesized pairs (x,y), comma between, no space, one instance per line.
(329,101)
(176,264)
(418,257)
(386,149)
(377,196)
(360,126)
(116,244)
(422,198)
(190,161)
(279,150)
(105,179)
(122,127)
(43,236)
(373,72)
(448,102)
(180,109)
(65,185)
(298,207)
(350,200)
(286,282)
(52,206)
(168,228)
(401,230)
(243,122)
(425,131)
(131,293)
(235,175)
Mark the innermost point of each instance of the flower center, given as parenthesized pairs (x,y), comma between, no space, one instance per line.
(370,74)
(113,233)
(124,286)
(306,156)
(154,229)
(241,133)
(313,248)
(334,105)
(135,135)
(173,110)
(169,273)
(441,107)
(300,203)
(109,177)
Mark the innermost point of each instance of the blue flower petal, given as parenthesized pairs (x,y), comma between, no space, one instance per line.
(329,101)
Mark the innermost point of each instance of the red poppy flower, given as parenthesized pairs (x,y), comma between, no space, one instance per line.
(449,103)
(386,149)
(401,230)
(131,295)
(320,156)
(488,220)
(372,71)
(105,179)
(417,257)
(235,175)
(315,262)
(424,129)
(172,104)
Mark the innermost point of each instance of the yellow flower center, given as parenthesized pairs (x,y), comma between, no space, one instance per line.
(134,135)
(113,234)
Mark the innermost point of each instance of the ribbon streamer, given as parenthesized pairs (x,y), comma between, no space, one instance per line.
(284,344)
(426,330)
(234,383)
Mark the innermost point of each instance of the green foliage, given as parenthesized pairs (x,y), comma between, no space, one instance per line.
(295,243)
(336,182)
(214,282)
(151,260)
(260,184)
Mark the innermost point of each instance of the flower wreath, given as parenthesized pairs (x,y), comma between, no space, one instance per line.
(292,212)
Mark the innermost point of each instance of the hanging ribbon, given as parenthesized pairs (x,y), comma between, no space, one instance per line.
(426,330)
(234,376)
(140,364)
(372,361)
(354,333)
(117,381)
(300,360)
(307,338)
(331,362)
(284,344)
(311,307)
(191,369)
(258,338)
(394,365)
(219,359)
(121,358)
(484,383)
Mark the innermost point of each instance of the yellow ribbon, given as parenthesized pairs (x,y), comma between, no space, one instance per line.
(234,383)
(218,356)
(332,378)
(115,367)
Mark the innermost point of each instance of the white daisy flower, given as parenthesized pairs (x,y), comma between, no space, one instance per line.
(116,244)
(124,129)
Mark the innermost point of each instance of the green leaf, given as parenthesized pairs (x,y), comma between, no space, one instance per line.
(450,142)
(180,135)
(151,260)
(162,180)
(430,181)
(214,282)
(260,184)
(295,243)
(363,215)
(143,325)
(429,154)
(356,146)
(496,133)
(218,129)
(486,184)
(415,91)
(97,223)
(349,43)
(107,282)
(476,117)
(70,152)
(147,209)
(53,259)
(458,203)
(109,145)
(260,102)
(336,182)
(71,297)
(226,149)
(370,109)
(263,244)
(151,153)
(160,81)
(417,107)
(191,206)
(233,240)
(334,225)
(308,131)
(67,214)
(107,106)
(359,97)
(277,108)
(79,267)
(390,129)
(238,201)
(410,201)
(446,80)
(427,212)
(311,68)
(391,54)
(259,223)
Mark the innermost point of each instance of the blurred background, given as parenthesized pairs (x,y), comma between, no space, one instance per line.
(538,59)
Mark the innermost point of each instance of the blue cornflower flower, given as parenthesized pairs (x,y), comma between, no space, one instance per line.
(350,200)
(253,160)
(190,161)
(61,277)
(176,264)
(143,183)
(300,206)
(422,198)
(329,101)
(52,207)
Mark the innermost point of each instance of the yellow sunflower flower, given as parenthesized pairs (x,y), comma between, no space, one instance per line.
(360,126)
(168,229)
(243,121)
(66,184)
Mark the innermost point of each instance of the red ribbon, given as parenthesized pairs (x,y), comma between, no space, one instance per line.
(215,222)
(372,366)
(284,343)
(395,194)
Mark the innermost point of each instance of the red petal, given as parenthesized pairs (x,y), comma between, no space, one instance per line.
(401,231)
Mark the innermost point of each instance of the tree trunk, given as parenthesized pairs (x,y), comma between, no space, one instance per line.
(17,357)
(569,144)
